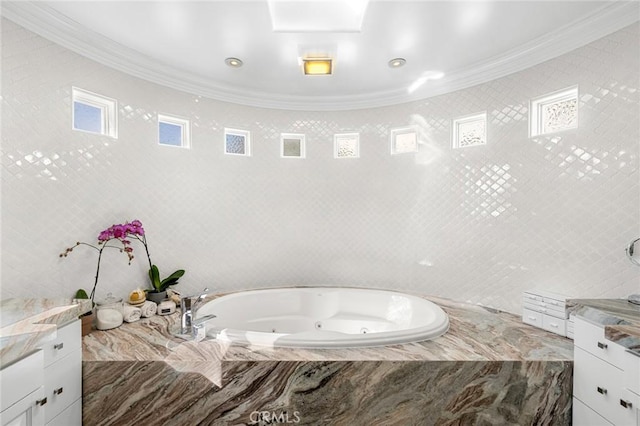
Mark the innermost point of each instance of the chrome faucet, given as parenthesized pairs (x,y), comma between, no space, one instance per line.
(188,307)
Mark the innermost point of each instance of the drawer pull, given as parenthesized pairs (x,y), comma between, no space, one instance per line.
(626,404)
(58,346)
(603,391)
(42,401)
(602,345)
(57,391)
(532,318)
(553,325)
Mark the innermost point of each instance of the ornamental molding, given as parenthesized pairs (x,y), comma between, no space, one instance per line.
(50,24)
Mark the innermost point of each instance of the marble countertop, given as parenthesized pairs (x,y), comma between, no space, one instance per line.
(620,319)
(25,324)
(476,334)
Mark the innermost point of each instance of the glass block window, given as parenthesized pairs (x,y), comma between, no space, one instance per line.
(554,112)
(236,142)
(94,113)
(404,140)
(470,130)
(173,131)
(292,145)
(346,145)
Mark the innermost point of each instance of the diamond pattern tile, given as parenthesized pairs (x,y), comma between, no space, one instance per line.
(478,225)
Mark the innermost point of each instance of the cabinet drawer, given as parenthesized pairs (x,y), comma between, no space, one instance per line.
(532,317)
(585,416)
(559,305)
(63,383)
(71,416)
(530,297)
(20,379)
(542,307)
(631,367)
(629,402)
(537,307)
(598,384)
(554,325)
(570,333)
(68,338)
(555,311)
(590,337)
(27,411)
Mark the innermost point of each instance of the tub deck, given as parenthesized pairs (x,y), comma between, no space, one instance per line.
(490,368)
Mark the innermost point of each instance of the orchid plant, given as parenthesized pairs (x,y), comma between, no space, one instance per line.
(158,285)
(119,237)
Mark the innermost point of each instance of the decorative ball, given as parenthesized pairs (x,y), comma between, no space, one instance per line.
(137,297)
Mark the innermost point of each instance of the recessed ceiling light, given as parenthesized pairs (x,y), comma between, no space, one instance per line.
(317,66)
(397,62)
(233,62)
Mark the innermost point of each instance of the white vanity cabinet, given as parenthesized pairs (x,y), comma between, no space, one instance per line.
(63,376)
(22,400)
(606,379)
(45,388)
(546,310)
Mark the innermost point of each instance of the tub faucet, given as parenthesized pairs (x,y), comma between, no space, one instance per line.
(188,307)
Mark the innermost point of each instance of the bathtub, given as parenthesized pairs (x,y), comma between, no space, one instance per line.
(323,317)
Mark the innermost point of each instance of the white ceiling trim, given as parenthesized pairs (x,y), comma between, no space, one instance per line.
(47,22)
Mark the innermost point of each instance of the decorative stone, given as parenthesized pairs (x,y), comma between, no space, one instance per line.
(490,368)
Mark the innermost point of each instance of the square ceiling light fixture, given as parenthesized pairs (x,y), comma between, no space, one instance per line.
(295,16)
(317,66)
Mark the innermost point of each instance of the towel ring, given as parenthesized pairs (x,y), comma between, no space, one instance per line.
(631,250)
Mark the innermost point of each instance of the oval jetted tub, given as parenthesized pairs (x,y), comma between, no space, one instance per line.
(323,317)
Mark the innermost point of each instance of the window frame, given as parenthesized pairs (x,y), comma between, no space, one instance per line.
(185,133)
(394,133)
(336,143)
(301,138)
(469,118)
(108,111)
(536,114)
(247,141)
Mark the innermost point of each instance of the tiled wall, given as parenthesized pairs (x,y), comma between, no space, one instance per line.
(479,224)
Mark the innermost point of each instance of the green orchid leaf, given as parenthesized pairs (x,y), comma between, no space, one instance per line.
(154,275)
(81,294)
(161,285)
(175,276)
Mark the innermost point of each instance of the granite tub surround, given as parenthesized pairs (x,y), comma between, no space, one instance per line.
(27,323)
(332,392)
(620,319)
(490,368)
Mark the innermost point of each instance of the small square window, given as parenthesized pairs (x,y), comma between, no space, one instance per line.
(237,142)
(554,112)
(87,117)
(173,131)
(292,145)
(94,113)
(346,145)
(470,130)
(404,140)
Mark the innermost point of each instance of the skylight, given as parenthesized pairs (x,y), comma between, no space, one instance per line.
(317,15)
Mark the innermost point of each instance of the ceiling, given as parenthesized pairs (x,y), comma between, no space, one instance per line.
(183,44)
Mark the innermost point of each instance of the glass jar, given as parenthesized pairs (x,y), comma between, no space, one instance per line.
(109,313)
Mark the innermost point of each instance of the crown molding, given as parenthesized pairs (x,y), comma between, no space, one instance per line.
(50,24)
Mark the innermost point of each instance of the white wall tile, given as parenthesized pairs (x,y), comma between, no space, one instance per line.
(478,225)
